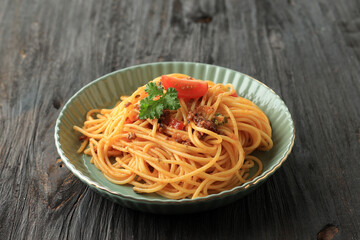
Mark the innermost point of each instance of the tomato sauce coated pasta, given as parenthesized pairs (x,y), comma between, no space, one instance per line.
(202,148)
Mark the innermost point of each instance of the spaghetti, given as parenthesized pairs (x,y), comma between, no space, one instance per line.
(188,153)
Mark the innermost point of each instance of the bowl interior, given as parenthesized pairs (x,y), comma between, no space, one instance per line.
(105,91)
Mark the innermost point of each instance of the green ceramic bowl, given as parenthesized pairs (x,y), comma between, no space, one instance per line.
(105,91)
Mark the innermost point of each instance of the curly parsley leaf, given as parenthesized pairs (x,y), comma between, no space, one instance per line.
(150,108)
(153,90)
(170,99)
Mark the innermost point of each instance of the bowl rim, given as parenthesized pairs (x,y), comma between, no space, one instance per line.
(94,184)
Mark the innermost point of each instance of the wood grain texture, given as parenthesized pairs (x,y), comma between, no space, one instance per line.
(307,51)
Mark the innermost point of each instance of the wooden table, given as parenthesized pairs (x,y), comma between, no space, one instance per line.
(308,51)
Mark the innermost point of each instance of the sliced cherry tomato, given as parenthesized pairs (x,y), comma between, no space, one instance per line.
(176,124)
(234,94)
(186,88)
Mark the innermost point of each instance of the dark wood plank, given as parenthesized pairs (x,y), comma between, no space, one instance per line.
(307,51)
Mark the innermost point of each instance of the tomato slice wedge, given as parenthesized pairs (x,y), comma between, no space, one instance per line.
(186,88)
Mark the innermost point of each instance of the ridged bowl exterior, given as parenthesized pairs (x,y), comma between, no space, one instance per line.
(105,91)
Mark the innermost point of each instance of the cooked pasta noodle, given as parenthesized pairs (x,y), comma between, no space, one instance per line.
(156,157)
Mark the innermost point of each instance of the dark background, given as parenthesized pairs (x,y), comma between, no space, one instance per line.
(308,51)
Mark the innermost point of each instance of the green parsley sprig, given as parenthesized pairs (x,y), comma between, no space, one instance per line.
(150,108)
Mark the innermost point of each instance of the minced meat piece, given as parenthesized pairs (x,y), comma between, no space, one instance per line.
(201,121)
(181,138)
(207,124)
(131,136)
(165,117)
(82,138)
